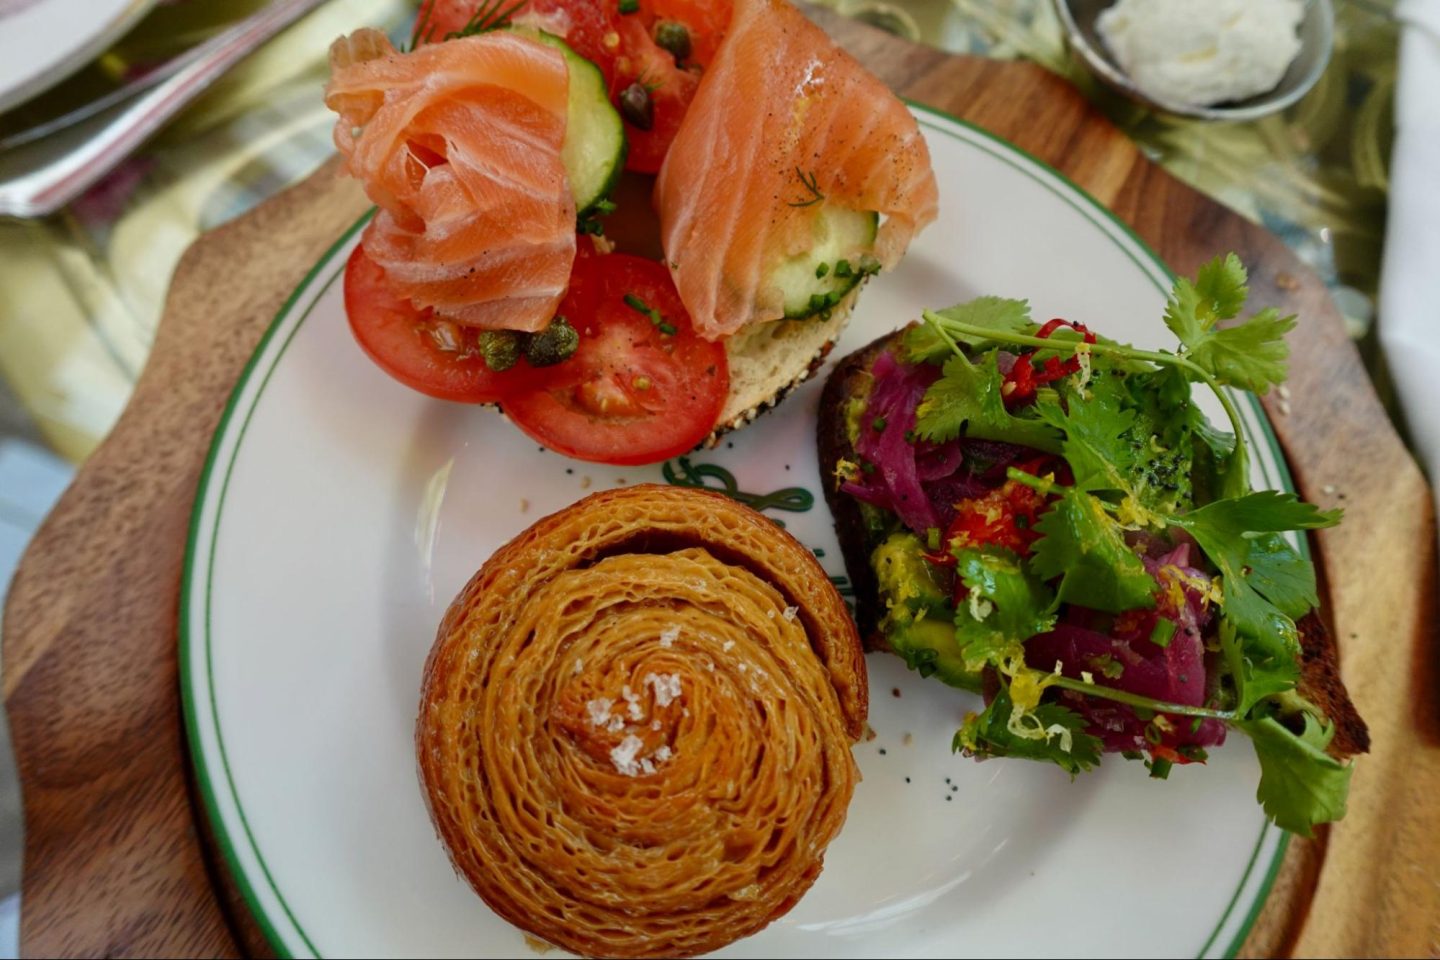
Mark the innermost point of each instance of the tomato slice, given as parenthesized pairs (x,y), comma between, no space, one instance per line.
(437,358)
(633,392)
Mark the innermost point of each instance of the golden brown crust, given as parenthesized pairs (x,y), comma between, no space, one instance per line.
(635,724)
(850,378)
(1320,683)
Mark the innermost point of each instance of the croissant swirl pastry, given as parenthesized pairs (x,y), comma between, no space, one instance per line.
(635,725)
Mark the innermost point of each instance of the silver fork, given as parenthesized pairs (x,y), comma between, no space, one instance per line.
(39,178)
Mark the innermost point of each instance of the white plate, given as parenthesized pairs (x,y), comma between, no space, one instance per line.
(44,41)
(340,513)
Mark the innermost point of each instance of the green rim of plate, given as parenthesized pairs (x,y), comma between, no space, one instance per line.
(1275,469)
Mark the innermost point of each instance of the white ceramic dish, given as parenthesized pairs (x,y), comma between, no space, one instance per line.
(340,513)
(44,41)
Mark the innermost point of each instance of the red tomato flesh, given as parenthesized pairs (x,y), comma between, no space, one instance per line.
(439,358)
(633,392)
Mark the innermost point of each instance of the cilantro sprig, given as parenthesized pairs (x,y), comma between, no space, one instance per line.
(1141,456)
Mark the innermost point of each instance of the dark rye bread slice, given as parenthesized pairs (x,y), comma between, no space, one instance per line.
(1320,681)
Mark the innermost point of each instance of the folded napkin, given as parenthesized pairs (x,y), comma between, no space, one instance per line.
(1410,278)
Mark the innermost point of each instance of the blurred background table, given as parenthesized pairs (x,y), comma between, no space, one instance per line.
(83,290)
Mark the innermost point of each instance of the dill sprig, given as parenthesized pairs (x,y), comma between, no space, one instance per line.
(810,186)
(424,31)
(490,15)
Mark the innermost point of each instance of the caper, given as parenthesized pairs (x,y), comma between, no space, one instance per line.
(637,107)
(673,36)
(550,346)
(500,349)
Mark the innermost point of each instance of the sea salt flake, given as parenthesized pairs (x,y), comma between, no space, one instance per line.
(623,756)
(791,613)
(668,636)
(633,699)
(666,686)
(662,753)
(727,646)
(599,710)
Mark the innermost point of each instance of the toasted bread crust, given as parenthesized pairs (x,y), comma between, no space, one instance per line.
(1320,683)
(850,377)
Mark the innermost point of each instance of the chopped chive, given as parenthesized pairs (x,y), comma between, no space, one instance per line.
(1160,768)
(1163,633)
(821,270)
(666,328)
(878,424)
(636,304)
(909,436)
(842,269)
(817,302)
(629,6)
(932,538)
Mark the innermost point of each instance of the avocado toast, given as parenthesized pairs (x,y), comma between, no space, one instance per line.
(1047,518)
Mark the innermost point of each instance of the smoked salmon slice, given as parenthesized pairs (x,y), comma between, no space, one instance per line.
(458,144)
(784,123)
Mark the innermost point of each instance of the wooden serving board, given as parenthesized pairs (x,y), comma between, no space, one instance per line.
(114,860)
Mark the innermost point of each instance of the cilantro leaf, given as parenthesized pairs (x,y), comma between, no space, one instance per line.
(1086,545)
(1250,355)
(1300,784)
(965,393)
(1254,677)
(1125,437)
(1095,443)
(1006,606)
(1253,568)
(967,400)
(1266,511)
(922,344)
(1282,576)
(1049,732)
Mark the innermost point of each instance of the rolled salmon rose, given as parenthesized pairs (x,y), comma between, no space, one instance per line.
(635,725)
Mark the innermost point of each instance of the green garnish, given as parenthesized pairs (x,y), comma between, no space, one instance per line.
(821,270)
(629,6)
(489,15)
(878,424)
(658,321)
(1141,463)
(1163,632)
(815,196)
(842,269)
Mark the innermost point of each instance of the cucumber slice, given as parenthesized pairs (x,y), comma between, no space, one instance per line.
(818,279)
(594,150)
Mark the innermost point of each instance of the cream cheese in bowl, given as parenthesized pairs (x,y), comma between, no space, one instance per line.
(1202,52)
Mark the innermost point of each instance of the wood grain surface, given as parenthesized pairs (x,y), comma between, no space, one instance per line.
(114,860)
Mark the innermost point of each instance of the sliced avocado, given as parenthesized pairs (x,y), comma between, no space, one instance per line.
(906,579)
(918,622)
(928,647)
